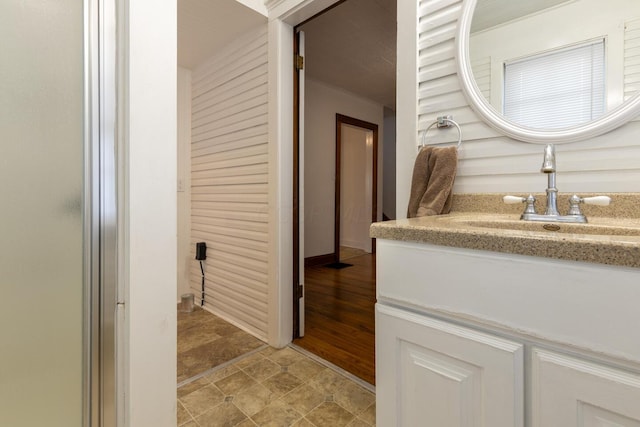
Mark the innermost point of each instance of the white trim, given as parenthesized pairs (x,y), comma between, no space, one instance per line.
(452,329)
(615,118)
(294,12)
(406,101)
(280,307)
(147,231)
(257,5)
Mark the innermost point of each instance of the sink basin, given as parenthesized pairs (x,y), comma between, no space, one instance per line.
(608,228)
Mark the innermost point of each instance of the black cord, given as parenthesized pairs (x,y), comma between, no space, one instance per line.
(202,294)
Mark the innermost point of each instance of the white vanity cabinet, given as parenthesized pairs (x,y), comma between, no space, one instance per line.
(569,391)
(438,374)
(478,338)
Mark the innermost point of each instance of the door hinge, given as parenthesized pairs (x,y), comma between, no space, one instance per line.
(299,62)
(300,291)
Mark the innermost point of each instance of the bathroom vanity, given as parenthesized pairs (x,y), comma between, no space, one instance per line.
(483,321)
(486,320)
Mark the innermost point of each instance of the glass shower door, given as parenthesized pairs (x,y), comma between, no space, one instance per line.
(42,216)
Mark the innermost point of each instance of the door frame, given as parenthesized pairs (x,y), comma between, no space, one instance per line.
(103,331)
(346,120)
(298,292)
(283,17)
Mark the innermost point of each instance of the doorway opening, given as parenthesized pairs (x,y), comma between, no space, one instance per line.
(356,186)
(345,105)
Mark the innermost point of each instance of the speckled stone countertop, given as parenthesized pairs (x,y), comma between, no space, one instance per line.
(482,221)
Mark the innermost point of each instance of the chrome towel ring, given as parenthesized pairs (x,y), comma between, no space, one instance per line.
(441,122)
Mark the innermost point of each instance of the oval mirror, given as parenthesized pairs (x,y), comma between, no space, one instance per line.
(551,71)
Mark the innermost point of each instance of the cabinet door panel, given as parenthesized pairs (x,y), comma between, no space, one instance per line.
(572,392)
(432,373)
(449,390)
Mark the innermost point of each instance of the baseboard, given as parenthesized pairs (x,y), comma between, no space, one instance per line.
(356,244)
(320,260)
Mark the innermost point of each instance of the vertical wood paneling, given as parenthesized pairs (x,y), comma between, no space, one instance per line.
(490,162)
(229,181)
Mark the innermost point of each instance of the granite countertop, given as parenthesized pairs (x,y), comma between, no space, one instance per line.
(604,240)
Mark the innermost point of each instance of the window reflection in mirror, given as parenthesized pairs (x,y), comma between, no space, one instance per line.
(556,89)
(551,64)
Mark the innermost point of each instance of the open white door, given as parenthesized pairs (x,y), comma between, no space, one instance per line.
(301,177)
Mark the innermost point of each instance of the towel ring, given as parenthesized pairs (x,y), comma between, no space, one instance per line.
(441,122)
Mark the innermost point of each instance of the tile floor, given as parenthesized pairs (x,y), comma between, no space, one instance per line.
(230,378)
(206,341)
(275,388)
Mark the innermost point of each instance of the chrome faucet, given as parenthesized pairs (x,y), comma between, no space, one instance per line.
(551,213)
(549,167)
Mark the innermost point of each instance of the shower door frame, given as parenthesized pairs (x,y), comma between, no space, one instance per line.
(100,214)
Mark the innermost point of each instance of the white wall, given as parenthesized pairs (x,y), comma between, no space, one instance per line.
(147,162)
(356,180)
(230,182)
(322,102)
(184,181)
(489,162)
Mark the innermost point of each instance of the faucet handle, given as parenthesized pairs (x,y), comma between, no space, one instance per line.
(597,200)
(511,200)
(574,203)
(530,201)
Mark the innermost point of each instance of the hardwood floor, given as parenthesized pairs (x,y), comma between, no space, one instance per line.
(339,315)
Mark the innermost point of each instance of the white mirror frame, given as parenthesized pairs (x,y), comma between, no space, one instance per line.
(608,122)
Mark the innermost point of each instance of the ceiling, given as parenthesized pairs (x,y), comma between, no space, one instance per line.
(206,26)
(353,47)
(489,13)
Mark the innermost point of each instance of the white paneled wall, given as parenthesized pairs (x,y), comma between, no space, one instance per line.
(229,181)
(490,162)
(631,57)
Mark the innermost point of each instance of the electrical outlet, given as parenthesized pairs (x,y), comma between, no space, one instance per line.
(201,251)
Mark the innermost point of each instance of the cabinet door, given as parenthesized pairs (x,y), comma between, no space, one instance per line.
(433,373)
(572,392)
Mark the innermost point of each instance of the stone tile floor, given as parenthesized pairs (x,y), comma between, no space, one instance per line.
(206,341)
(275,388)
(229,378)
